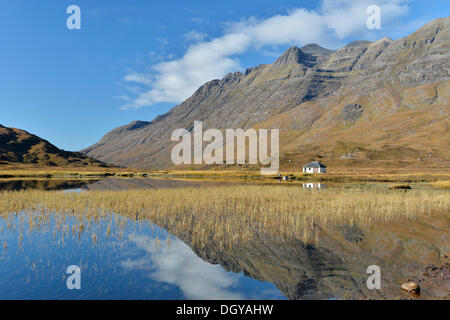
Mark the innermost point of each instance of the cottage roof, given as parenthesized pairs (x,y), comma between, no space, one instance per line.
(314,164)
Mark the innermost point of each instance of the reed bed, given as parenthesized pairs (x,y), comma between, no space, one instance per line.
(228,214)
(442,184)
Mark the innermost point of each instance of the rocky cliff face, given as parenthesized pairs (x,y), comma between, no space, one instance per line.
(401,85)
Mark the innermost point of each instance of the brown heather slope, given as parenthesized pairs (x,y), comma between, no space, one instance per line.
(368,104)
(20,147)
(407,128)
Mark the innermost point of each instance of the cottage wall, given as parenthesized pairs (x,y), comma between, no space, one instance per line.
(314,170)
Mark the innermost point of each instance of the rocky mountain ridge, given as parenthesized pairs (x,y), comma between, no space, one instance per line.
(303,94)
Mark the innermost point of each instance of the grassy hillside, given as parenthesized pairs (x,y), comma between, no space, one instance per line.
(395,129)
(20,147)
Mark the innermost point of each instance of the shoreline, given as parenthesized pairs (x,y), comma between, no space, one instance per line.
(336,176)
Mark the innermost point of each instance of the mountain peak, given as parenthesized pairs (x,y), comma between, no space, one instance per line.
(386,39)
(438,28)
(438,21)
(300,92)
(291,56)
(314,48)
(294,55)
(358,43)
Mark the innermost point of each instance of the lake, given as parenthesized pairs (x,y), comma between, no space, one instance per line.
(136,258)
(132,260)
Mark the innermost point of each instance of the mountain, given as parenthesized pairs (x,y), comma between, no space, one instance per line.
(366,104)
(20,147)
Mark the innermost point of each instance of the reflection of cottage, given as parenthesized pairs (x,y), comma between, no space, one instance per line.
(314,185)
(314,167)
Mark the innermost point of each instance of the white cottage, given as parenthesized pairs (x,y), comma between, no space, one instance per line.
(314,167)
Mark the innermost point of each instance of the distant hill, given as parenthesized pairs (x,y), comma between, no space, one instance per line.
(20,147)
(361,105)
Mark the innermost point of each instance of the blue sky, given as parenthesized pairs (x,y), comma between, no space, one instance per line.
(133,60)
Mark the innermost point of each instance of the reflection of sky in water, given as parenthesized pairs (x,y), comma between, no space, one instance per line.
(134,262)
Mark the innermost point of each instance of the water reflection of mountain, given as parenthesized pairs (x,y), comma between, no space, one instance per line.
(336,267)
(42,184)
(101,184)
(299,271)
(147,183)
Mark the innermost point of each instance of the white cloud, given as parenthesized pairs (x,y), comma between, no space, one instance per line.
(178,265)
(197,20)
(335,20)
(194,36)
(138,78)
(123,97)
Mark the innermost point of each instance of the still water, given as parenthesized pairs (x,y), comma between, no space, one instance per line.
(122,258)
(118,258)
(155,183)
